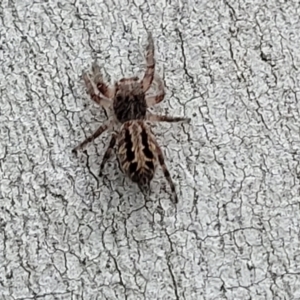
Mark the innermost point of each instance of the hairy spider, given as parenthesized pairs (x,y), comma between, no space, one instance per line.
(138,152)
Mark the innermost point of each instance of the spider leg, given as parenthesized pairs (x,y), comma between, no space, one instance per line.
(93,91)
(166,172)
(92,137)
(152,100)
(104,88)
(108,152)
(149,74)
(164,118)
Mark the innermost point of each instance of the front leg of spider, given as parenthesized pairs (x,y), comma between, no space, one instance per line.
(149,74)
(94,92)
(102,86)
(160,95)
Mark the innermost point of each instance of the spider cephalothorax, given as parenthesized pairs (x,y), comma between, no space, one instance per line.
(137,150)
(129,102)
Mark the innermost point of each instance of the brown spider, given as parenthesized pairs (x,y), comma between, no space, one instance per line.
(138,152)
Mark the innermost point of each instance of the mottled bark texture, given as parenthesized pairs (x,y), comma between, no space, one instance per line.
(66,233)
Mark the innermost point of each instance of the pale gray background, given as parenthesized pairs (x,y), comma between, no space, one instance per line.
(233,67)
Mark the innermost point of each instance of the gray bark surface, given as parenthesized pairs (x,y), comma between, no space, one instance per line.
(66,233)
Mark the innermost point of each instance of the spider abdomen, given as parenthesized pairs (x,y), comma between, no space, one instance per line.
(137,152)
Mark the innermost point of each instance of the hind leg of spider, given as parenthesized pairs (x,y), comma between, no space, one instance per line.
(94,92)
(164,118)
(92,137)
(149,74)
(166,173)
(108,152)
(103,87)
(152,100)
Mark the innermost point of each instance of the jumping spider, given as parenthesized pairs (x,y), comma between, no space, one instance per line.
(137,149)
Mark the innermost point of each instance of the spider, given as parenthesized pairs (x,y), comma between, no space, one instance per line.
(137,149)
